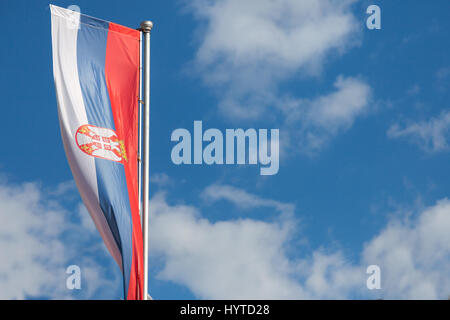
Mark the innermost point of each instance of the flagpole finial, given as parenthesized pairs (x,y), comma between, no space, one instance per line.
(146,26)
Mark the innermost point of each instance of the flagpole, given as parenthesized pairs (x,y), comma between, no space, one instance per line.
(146,27)
(140,104)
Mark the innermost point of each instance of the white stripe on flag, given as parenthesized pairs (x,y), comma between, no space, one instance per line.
(72,115)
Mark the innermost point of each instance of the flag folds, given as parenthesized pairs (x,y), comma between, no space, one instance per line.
(96,71)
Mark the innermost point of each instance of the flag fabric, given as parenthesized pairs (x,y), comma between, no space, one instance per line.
(96,70)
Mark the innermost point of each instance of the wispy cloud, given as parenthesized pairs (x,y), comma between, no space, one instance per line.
(431,135)
(314,122)
(443,79)
(161,179)
(244,200)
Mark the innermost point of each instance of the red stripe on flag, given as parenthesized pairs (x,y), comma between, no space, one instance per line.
(122,79)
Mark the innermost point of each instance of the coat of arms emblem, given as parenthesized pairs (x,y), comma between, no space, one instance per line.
(101,143)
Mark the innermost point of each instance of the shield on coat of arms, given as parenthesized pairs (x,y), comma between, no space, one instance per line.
(100,142)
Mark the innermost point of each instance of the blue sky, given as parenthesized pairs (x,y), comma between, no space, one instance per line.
(364,129)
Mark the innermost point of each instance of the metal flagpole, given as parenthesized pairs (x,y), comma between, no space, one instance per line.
(146,27)
(140,130)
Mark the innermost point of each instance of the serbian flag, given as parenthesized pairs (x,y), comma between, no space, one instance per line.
(96,66)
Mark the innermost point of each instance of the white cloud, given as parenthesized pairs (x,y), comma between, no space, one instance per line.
(222,260)
(443,73)
(64,188)
(85,218)
(247,258)
(273,29)
(414,90)
(339,108)
(39,239)
(161,179)
(443,79)
(330,276)
(241,258)
(267,40)
(244,258)
(248,48)
(25,241)
(243,199)
(414,256)
(431,135)
(314,122)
